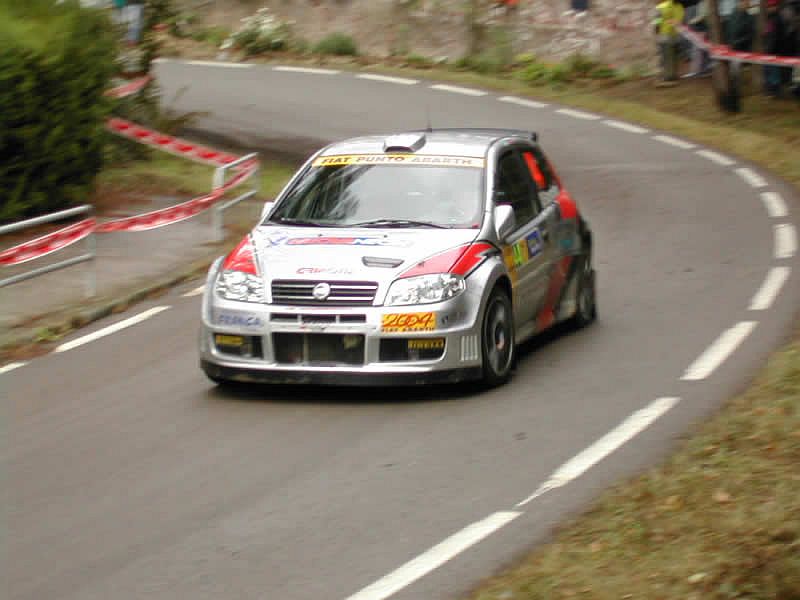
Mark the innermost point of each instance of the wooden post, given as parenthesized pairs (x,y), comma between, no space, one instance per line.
(726,90)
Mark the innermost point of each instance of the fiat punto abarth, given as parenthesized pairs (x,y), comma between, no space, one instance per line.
(421,257)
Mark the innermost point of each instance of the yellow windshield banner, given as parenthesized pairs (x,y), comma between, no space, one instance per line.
(399,159)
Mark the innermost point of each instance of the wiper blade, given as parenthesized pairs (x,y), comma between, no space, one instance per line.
(398,223)
(300,222)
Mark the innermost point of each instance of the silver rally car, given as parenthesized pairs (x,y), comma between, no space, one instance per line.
(420,257)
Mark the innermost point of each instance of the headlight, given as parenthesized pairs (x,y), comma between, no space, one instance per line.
(244,287)
(425,289)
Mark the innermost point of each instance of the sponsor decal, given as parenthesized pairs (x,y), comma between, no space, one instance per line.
(520,252)
(426,344)
(534,241)
(347,241)
(399,322)
(239,320)
(324,271)
(275,238)
(398,159)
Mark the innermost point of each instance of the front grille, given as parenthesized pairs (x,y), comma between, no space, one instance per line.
(318,349)
(342,293)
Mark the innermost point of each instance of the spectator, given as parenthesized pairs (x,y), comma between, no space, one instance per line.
(701,59)
(775,37)
(118,14)
(741,28)
(790,15)
(668,15)
(135,19)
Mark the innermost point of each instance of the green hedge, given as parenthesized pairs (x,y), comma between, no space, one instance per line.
(56,63)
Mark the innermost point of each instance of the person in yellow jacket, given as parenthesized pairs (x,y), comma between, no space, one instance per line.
(668,15)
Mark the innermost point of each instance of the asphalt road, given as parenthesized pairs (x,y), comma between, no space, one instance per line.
(127,475)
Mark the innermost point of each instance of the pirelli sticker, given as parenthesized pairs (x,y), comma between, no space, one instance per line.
(399,159)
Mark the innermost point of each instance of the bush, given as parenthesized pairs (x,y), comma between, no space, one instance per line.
(57,62)
(337,44)
(260,33)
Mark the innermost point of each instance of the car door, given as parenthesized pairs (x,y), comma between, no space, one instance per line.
(526,250)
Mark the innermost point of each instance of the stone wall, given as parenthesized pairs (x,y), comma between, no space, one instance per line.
(615,30)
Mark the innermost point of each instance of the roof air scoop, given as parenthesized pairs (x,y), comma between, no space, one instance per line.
(406,142)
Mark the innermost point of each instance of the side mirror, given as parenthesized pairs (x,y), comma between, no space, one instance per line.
(266,209)
(504,221)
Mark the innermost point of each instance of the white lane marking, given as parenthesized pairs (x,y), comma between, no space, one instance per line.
(785,241)
(716,157)
(673,141)
(578,114)
(310,70)
(773,202)
(216,63)
(752,178)
(195,292)
(522,102)
(622,433)
(387,79)
(770,289)
(111,329)
(12,366)
(625,126)
(434,557)
(455,89)
(720,350)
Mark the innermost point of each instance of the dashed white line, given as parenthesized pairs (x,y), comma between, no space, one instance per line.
(625,126)
(195,292)
(673,141)
(717,158)
(770,289)
(785,241)
(434,557)
(100,333)
(12,366)
(215,63)
(387,79)
(578,114)
(773,202)
(309,70)
(455,89)
(720,350)
(522,102)
(752,178)
(622,433)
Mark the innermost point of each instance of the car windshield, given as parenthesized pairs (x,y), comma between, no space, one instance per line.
(384,196)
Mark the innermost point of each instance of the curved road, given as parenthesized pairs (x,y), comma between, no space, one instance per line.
(127,475)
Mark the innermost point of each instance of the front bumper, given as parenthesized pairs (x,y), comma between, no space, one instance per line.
(456,322)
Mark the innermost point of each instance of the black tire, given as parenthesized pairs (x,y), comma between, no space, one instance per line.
(586,294)
(497,339)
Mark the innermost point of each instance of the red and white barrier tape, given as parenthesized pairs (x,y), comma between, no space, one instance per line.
(128,89)
(160,218)
(47,244)
(722,52)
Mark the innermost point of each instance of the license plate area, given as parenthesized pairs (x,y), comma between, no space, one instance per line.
(318,349)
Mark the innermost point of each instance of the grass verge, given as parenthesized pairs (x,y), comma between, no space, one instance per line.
(166,175)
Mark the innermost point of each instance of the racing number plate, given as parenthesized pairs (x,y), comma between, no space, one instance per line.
(398,322)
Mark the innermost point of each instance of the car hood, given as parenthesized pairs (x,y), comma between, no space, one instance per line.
(363,254)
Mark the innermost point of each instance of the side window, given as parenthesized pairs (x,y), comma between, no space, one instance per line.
(514,187)
(542,175)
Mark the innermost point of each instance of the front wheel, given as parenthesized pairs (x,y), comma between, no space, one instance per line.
(497,339)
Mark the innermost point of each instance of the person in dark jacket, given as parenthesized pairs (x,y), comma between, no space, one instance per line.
(741,28)
(773,42)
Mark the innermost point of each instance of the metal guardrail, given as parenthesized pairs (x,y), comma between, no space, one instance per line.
(89,256)
(220,175)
